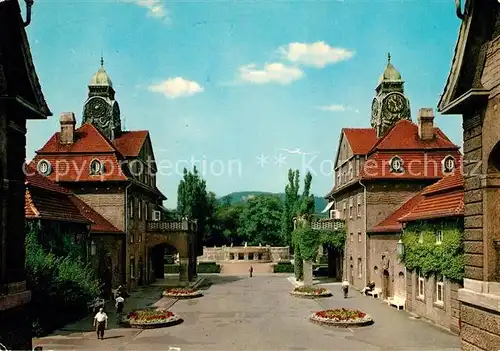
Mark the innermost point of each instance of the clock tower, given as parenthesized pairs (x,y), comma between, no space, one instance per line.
(101,109)
(390,105)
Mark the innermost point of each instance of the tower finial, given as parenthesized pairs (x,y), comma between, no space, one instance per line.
(388,57)
(102,61)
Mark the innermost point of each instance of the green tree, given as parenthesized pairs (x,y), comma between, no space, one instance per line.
(306,204)
(260,220)
(196,203)
(289,207)
(227,219)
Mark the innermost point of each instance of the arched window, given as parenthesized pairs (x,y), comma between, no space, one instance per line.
(44,168)
(396,165)
(96,167)
(449,164)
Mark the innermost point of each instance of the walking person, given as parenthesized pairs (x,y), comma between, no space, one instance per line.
(251,271)
(345,288)
(101,323)
(119,309)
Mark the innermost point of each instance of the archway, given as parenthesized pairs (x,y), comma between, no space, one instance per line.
(162,255)
(494,160)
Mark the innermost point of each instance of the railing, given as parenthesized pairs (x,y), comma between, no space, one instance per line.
(171,226)
(328,224)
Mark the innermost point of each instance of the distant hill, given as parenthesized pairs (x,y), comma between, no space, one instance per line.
(242,196)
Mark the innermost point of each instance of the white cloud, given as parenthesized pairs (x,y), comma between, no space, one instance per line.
(270,73)
(317,54)
(176,87)
(336,108)
(155,8)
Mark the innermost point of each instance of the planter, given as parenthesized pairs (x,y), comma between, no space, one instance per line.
(182,293)
(342,318)
(310,292)
(149,319)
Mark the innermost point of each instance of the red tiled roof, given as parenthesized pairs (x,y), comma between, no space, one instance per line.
(361,140)
(451,182)
(76,167)
(46,200)
(442,199)
(391,223)
(130,143)
(404,135)
(35,179)
(87,140)
(99,223)
(417,165)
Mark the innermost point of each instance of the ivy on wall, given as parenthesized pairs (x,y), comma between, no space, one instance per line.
(306,242)
(445,259)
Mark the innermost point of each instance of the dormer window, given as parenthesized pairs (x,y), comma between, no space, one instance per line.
(44,168)
(449,164)
(96,167)
(396,165)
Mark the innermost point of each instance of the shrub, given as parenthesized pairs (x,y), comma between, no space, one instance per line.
(62,282)
(209,267)
(283,267)
(171,268)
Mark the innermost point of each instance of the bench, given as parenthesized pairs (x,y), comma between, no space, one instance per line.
(375,292)
(397,302)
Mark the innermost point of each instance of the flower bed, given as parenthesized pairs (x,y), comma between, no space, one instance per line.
(148,319)
(341,317)
(182,293)
(310,292)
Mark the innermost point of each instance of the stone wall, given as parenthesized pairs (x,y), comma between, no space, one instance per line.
(446,315)
(235,253)
(383,258)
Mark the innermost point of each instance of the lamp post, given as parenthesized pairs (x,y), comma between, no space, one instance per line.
(400,248)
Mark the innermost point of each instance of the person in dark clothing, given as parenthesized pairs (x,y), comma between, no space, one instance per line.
(119,309)
(251,271)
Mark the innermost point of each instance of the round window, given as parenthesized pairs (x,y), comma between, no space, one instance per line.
(396,164)
(44,167)
(449,164)
(95,167)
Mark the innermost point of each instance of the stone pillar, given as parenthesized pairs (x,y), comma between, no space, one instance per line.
(183,269)
(308,277)
(245,257)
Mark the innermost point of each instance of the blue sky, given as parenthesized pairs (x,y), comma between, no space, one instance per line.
(225,82)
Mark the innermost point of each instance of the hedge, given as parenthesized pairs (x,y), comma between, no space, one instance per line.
(288,267)
(203,267)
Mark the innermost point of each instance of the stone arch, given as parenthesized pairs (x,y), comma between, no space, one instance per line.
(157,245)
(494,159)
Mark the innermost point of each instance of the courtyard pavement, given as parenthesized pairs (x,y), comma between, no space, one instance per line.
(242,313)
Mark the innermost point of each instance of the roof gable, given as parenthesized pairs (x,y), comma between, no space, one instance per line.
(130,143)
(361,140)
(87,140)
(99,223)
(18,70)
(404,136)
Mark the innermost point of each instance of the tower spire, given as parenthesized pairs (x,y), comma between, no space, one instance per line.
(102,59)
(388,57)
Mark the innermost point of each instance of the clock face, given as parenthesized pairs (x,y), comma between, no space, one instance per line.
(96,109)
(395,103)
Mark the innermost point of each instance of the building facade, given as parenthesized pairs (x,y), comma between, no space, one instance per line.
(431,267)
(21,98)
(114,173)
(377,170)
(473,91)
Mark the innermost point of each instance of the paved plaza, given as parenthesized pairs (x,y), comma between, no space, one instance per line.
(241,313)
